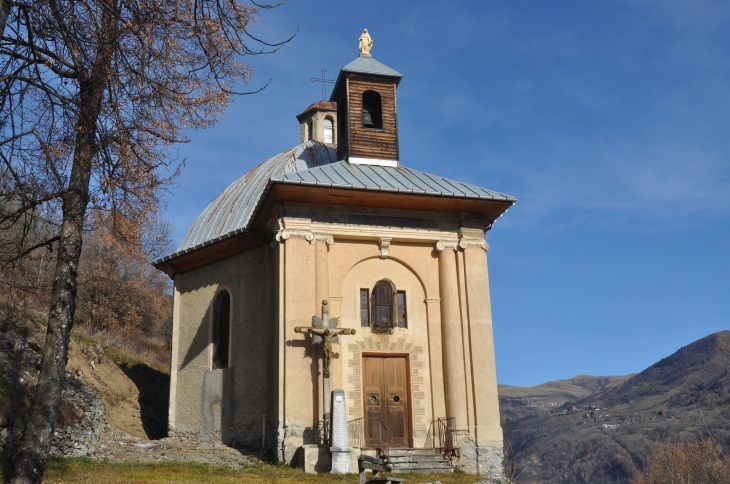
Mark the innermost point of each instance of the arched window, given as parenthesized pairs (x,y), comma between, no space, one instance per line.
(221,329)
(329,134)
(309,130)
(372,113)
(382,306)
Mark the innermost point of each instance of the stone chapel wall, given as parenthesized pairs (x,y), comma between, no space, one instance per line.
(236,403)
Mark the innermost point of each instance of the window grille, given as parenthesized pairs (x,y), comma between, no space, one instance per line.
(328,131)
(221,329)
(402,316)
(364,308)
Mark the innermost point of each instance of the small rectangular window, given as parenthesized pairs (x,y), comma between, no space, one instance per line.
(402,316)
(364,308)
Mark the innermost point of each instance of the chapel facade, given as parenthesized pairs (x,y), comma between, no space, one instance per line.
(398,254)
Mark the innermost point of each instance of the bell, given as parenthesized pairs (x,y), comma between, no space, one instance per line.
(367,120)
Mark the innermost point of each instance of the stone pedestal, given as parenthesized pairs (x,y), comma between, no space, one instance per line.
(340,448)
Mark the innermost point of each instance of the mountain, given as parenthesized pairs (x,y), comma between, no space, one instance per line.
(561,391)
(607,437)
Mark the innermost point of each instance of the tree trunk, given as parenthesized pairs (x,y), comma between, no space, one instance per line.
(4,12)
(33,452)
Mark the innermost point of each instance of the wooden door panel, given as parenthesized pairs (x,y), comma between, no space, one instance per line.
(386,398)
(397,400)
(372,395)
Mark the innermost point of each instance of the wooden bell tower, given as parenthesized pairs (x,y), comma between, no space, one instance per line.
(367,111)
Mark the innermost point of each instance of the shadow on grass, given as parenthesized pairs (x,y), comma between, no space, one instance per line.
(154,397)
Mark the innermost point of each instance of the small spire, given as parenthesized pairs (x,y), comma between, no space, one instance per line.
(366,43)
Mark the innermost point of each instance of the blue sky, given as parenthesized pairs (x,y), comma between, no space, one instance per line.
(610,121)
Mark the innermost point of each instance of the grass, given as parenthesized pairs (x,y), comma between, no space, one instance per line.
(85,470)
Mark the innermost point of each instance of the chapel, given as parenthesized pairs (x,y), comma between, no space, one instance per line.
(397,254)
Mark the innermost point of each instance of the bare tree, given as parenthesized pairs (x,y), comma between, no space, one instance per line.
(93,95)
(4,9)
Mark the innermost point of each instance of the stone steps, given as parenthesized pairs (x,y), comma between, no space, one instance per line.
(419,460)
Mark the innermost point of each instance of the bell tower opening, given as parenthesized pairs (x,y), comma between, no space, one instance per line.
(372,110)
(318,123)
(329,131)
(367,110)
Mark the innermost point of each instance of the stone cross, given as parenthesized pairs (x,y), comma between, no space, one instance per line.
(324,330)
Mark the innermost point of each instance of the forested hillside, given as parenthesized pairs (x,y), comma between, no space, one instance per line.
(608,437)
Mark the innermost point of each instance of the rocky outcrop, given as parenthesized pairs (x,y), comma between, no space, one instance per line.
(81,438)
(81,417)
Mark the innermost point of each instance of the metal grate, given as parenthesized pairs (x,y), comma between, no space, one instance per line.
(356,433)
(448,437)
(383,448)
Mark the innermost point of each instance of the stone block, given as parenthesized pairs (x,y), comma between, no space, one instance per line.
(315,459)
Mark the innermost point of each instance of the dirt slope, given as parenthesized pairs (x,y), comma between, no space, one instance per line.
(120,393)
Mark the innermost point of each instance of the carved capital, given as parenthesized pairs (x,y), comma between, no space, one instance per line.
(384,247)
(473,244)
(442,245)
(322,238)
(472,239)
(293,228)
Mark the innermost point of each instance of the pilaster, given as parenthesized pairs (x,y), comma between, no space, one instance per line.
(453,350)
(488,432)
(301,410)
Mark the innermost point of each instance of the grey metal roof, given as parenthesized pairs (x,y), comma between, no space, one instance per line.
(230,213)
(368,65)
(398,179)
(314,164)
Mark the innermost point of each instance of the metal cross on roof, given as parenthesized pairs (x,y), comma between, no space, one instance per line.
(324,82)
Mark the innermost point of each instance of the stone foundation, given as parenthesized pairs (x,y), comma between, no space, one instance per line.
(484,459)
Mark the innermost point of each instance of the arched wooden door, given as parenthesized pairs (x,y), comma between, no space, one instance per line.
(386,394)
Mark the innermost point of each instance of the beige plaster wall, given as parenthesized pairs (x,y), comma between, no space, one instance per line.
(232,403)
(363,247)
(412,341)
(333,252)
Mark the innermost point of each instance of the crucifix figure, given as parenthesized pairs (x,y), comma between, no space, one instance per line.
(324,330)
(324,82)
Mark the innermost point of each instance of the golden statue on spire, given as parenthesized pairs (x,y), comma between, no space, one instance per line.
(366,43)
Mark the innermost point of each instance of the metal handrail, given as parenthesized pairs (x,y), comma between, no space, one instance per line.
(383,441)
(356,433)
(448,437)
